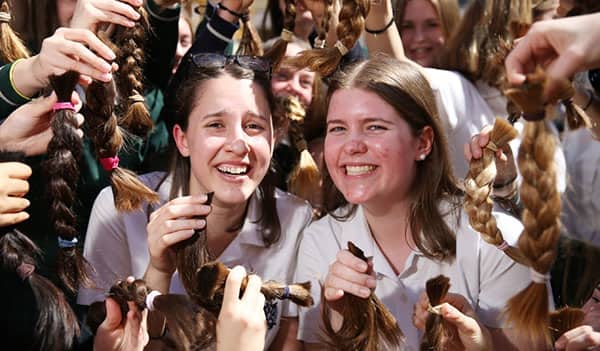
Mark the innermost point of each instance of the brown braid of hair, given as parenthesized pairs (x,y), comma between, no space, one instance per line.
(367,324)
(174,321)
(576,116)
(565,319)
(351,25)
(438,333)
(277,52)
(250,44)
(304,180)
(478,190)
(135,117)
(64,152)
(213,275)
(528,310)
(191,254)
(11,46)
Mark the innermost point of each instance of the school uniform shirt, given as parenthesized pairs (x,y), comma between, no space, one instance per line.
(581,200)
(116,246)
(480,272)
(462,112)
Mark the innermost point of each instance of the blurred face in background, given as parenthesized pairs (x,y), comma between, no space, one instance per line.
(288,80)
(184,42)
(421,31)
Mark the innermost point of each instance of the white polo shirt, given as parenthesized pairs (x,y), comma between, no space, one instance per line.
(480,272)
(116,244)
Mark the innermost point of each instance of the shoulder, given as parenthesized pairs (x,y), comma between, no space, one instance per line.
(291,208)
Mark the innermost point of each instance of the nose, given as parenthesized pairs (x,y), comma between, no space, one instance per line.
(237,143)
(419,33)
(355,146)
(292,87)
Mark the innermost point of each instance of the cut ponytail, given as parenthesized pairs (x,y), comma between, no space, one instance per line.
(11,46)
(277,52)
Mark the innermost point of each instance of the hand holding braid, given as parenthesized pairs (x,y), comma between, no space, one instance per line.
(350,27)
(478,189)
(528,310)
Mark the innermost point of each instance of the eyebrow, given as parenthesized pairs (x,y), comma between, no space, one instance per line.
(224,112)
(366,120)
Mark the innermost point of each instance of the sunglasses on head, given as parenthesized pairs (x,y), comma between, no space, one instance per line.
(213,60)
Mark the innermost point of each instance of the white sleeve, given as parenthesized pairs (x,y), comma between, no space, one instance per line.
(106,249)
(313,264)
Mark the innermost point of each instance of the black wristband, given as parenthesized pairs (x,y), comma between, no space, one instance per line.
(594,77)
(237,14)
(380,30)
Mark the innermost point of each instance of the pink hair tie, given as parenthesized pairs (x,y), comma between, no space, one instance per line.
(503,246)
(109,163)
(63,106)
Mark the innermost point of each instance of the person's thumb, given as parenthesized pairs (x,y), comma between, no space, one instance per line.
(563,68)
(465,325)
(42,106)
(113,315)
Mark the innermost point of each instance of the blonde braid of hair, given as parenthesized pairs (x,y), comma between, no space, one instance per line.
(528,310)
(277,52)
(251,44)
(135,117)
(304,180)
(478,190)
(351,25)
(367,326)
(11,46)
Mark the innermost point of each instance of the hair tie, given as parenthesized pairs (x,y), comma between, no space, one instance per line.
(286,292)
(150,299)
(109,163)
(538,277)
(136,97)
(534,116)
(567,102)
(492,146)
(5,17)
(341,48)
(503,247)
(25,270)
(434,309)
(66,244)
(63,106)
(287,35)
(319,43)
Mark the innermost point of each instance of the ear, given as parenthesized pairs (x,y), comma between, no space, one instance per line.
(181,141)
(425,143)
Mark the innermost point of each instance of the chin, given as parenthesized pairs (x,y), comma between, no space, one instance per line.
(232,197)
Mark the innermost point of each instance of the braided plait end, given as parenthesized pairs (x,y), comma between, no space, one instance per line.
(479,186)
(64,151)
(528,310)
(576,116)
(130,58)
(438,332)
(277,52)
(11,46)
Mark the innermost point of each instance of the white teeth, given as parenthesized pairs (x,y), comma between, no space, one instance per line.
(233,170)
(358,170)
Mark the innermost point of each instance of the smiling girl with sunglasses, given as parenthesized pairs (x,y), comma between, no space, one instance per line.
(220,113)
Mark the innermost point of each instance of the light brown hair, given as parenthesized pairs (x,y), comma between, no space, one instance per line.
(11,46)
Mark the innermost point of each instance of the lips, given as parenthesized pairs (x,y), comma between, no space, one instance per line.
(359,170)
(233,169)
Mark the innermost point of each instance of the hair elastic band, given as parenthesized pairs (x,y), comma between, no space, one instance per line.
(538,277)
(435,309)
(319,43)
(66,244)
(286,292)
(5,17)
(136,97)
(534,116)
(341,48)
(491,146)
(379,31)
(109,163)
(63,106)
(504,246)
(150,299)
(25,270)
(287,35)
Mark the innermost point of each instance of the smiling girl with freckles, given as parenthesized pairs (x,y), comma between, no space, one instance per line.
(220,113)
(392,193)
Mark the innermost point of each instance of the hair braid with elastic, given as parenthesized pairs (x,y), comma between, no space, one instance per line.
(108,138)
(439,333)
(129,42)
(479,185)
(350,27)
(64,151)
(250,44)
(11,46)
(277,52)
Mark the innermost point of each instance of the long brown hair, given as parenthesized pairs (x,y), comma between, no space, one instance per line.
(34,20)
(404,87)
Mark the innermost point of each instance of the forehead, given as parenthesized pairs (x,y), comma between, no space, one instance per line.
(226,91)
(420,9)
(355,103)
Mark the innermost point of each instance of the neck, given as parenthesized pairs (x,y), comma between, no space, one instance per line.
(303,31)
(389,222)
